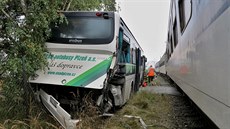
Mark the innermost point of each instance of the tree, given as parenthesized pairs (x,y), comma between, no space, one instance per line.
(87,5)
(24,30)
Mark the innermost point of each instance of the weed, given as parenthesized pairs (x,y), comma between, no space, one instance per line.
(89,114)
(146,106)
(150,107)
(13,116)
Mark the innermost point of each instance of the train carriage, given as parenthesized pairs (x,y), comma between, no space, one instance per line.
(160,65)
(198,50)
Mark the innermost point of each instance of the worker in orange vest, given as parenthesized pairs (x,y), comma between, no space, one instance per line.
(150,73)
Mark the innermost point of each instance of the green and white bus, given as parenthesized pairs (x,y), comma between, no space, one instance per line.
(92,52)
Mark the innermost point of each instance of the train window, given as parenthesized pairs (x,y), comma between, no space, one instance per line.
(175,34)
(171,45)
(167,51)
(185,12)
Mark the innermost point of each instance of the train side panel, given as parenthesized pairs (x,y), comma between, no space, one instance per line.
(199,63)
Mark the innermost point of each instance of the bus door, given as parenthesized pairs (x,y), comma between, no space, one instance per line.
(123,60)
(137,72)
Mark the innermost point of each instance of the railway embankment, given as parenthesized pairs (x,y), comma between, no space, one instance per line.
(158,106)
(182,113)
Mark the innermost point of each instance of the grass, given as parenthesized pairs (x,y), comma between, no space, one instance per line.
(146,106)
(1,85)
(39,121)
(152,108)
(13,116)
(158,80)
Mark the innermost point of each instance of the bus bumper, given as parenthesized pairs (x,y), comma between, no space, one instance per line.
(63,117)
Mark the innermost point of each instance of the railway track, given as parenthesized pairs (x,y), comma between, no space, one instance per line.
(184,114)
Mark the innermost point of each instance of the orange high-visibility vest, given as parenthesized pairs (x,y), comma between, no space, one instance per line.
(151,71)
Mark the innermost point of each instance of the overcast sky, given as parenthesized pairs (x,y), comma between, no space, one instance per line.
(148,21)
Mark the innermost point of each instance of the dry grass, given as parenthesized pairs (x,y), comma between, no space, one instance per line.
(1,82)
(39,118)
(11,118)
(159,80)
(89,115)
(151,108)
(1,85)
(35,122)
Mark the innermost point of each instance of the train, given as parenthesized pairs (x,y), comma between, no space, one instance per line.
(196,56)
(160,65)
(92,53)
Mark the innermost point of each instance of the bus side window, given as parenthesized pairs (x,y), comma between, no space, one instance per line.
(123,49)
(134,56)
(120,55)
(126,51)
(120,39)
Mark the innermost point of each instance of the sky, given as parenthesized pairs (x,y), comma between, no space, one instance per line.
(148,21)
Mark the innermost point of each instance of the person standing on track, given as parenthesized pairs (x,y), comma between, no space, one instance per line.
(150,74)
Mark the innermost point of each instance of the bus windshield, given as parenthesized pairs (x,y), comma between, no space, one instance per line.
(83,30)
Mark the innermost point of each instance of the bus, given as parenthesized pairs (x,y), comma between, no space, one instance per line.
(92,52)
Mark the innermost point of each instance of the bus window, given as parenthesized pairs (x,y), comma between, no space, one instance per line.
(134,56)
(120,38)
(125,53)
(124,49)
(84,30)
(131,55)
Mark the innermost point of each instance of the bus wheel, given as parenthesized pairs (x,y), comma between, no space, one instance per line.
(107,104)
